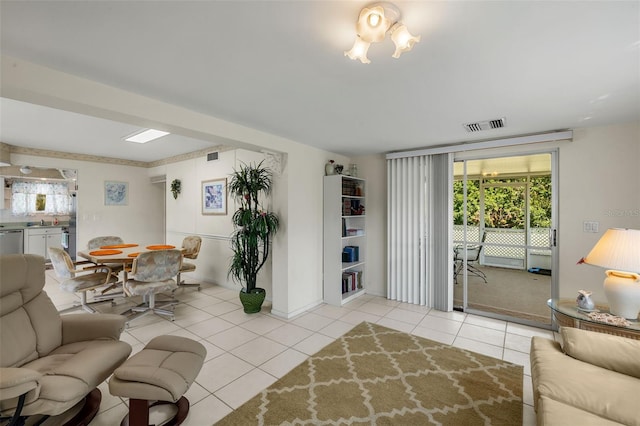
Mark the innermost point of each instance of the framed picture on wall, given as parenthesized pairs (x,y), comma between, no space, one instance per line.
(214,196)
(116,193)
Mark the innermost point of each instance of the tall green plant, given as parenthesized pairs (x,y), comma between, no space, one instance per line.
(254,227)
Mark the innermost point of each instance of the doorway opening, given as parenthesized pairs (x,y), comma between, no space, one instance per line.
(503,235)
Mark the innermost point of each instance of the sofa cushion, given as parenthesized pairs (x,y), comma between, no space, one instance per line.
(552,412)
(601,392)
(611,352)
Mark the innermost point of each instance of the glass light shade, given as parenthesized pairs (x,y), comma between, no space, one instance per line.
(372,24)
(359,51)
(403,40)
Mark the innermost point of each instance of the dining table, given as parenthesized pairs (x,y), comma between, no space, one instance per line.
(120,253)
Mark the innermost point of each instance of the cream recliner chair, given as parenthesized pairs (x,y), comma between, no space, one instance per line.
(49,363)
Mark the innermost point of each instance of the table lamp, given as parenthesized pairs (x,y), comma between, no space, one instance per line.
(619,252)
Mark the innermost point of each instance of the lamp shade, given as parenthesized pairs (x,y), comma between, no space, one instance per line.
(372,24)
(359,51)
(618,249)
(403,40)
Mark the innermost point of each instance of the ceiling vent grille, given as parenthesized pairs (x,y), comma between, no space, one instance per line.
(497,123)
(212,156)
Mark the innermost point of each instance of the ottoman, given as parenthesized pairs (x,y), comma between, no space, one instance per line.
(159,374)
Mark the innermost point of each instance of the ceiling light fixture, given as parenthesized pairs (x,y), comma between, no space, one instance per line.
(145,136)
(374,22)
(25,170)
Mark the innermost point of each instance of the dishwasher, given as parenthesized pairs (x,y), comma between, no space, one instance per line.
(11,241)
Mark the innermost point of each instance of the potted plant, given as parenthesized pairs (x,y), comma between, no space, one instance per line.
(175,188)
(254,228)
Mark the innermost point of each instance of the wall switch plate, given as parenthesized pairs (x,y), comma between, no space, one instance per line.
(590,226)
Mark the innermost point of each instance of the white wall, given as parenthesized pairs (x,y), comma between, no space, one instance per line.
(599,181)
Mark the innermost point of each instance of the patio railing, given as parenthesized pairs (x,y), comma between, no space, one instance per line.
(508,248)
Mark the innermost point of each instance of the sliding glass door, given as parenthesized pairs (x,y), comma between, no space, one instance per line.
(504,230)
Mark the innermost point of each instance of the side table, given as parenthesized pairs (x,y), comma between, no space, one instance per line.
(566,313)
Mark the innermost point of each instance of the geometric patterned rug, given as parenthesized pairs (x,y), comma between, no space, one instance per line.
(374,375)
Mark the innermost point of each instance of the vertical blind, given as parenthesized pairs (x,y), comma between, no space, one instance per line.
(419,206)
(406,229)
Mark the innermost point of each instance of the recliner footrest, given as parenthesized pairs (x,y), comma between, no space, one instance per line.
(163,371)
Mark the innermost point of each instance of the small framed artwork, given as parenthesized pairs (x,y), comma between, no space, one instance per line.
(214,196)
(116,193)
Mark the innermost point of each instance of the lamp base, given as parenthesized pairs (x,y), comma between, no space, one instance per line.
(623,294)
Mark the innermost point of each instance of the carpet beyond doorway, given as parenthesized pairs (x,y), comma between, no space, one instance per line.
(512,292)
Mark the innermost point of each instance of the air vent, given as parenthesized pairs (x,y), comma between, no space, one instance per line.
(212,156)
(485,125)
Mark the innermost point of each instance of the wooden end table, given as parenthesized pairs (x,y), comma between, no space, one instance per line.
(566,313)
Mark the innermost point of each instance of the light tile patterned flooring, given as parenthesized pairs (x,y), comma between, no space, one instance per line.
(247,353)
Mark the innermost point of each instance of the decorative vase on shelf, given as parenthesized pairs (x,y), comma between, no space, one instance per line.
(338,168)
(329,168)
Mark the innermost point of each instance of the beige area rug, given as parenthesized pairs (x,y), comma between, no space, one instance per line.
(377,376)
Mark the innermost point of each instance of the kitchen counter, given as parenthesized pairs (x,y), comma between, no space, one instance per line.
(7,226)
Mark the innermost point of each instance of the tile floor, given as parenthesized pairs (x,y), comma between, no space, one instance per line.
(246,353)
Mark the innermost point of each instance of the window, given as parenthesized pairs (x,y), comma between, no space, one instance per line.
(31,198)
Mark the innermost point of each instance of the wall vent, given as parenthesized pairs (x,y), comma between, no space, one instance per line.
(212,156)
(485,125)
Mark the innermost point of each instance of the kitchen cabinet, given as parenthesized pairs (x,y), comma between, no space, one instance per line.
(38,240)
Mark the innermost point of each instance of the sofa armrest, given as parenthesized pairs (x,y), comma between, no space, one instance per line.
(83,327)
(17,381)
(614,353)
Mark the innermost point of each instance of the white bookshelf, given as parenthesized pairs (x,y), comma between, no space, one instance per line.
(342,230)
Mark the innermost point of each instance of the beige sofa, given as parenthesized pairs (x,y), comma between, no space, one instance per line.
(592,379)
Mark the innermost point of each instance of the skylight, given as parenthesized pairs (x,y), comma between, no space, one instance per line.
(145,136)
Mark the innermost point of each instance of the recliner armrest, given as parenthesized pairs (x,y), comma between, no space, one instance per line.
(83,327)
(17,381)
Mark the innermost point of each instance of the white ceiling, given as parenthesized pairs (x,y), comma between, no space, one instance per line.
(278,66)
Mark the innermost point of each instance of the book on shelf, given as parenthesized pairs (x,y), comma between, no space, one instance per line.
(351,254)
(349,187)
(351,281)
(346,207)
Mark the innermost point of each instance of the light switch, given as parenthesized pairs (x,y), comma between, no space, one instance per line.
(590,226)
